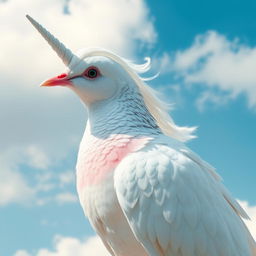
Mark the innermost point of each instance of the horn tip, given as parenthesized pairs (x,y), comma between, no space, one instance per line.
(30,18)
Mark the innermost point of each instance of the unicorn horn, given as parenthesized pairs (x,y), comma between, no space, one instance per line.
(63,52)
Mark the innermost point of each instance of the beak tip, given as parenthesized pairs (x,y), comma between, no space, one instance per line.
(56,81)
(46,83)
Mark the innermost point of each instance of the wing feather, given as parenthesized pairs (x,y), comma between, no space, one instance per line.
(176,205)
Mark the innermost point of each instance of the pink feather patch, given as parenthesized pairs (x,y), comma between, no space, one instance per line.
(99,157)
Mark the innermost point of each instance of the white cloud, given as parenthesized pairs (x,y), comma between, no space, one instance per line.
(22,253)
(45,125)
(251,211)
(37,158)
(67,177)
(13,186)
(66,197)
(60,198)
(90,23)
(217,63)
(213,98)
(70,246)
(44,187)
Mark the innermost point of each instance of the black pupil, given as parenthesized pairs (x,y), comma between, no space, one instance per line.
(92,73)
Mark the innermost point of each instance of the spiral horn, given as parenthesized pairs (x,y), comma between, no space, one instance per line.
(63,52)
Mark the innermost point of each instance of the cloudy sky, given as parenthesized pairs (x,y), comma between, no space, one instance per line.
(206,55)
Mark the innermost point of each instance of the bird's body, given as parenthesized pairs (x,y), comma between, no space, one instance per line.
(144,192)
(173,200)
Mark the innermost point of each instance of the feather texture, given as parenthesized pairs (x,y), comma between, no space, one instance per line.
(180,208)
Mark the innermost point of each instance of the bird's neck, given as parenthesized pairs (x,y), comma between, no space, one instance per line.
(115,128)
(125,114)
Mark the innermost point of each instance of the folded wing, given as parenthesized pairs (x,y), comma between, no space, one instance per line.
(176,205)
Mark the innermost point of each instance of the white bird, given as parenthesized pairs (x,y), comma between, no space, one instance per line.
(144,192)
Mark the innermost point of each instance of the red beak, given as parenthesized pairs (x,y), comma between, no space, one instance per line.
(62,80)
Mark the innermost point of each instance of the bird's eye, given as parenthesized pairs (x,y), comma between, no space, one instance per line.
(92,72)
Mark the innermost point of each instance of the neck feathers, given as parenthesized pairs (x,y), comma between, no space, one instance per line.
(126,114)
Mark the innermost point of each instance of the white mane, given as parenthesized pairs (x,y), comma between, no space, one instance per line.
(157,108)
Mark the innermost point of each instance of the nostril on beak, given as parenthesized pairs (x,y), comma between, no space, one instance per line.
(62,76)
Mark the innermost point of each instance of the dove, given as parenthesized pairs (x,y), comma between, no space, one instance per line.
(143,190)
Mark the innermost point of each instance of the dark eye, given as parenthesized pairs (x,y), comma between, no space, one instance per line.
(92,72)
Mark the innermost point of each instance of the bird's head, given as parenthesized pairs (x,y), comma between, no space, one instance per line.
(93,73)
(92,78)
(97,74)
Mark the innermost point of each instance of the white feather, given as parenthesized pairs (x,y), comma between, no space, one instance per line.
(195,217)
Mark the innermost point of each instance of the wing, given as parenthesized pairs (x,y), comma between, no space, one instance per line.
(176,207)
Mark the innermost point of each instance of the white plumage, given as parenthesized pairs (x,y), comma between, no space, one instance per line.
(177,205)
(144,192)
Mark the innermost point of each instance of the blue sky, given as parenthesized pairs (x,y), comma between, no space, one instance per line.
(205,52)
